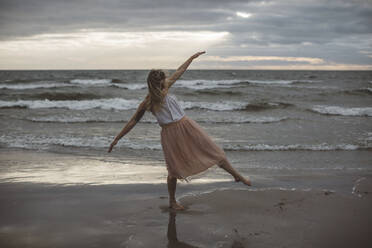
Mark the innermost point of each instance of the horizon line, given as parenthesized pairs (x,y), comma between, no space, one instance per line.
(209,69)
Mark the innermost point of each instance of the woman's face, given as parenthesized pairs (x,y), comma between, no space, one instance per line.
(166,74)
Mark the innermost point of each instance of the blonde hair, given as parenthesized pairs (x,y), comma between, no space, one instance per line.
(157,90)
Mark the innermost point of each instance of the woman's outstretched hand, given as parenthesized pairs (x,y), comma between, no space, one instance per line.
(197,55)
(112,145)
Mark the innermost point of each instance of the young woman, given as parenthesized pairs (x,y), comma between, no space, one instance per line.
(187,148)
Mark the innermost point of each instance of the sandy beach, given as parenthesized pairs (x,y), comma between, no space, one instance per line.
(303,137)
(136,215)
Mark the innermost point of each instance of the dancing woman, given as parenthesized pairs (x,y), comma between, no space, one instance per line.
(187,148)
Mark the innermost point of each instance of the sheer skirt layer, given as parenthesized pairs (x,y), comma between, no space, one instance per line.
(188,149)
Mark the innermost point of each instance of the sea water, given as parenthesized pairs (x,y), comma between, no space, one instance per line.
(273,125)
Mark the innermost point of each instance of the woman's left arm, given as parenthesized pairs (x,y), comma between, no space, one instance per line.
(131,123)
(178,73)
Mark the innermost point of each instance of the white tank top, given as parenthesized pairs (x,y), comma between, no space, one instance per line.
(171,111)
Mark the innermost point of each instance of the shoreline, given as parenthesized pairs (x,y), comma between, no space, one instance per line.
(129,168)
(39,215)
(107,209)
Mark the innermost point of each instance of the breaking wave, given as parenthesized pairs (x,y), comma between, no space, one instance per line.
(207,84)
(112,103)
(124,104)
(295,147)
(44,142)
(64,96)
(336,110)
(34,86)
(200,84)
(86,119)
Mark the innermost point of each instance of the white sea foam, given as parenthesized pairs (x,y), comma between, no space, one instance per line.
(217,106)
(301,84)
(206,84)
(293,147)
(285,82)
(43,142)
(96,118)
(112,103)
(130,86)
(198,84)
(108,82)
(91,81)
(115,103)
(69,119)
(336,110)
(262,119)
(210,84)
(34,86)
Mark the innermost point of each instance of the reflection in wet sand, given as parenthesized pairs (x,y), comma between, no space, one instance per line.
(172,233)
(173,241)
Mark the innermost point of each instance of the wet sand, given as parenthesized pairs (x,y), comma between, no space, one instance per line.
(44,215)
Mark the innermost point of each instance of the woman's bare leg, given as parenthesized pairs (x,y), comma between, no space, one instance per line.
(225,164)
(172,184)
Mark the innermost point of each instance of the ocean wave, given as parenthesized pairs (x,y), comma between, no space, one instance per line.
(359,92)
(109,83)
(64,96)
(124,104)
(198,85)
(216,106)
(29,86)
(295,147)
(362,91)
(44,142)
(112,103)
(202,84)
(130,86)
(91,81)
(216,92)
(74,83)
(282,82)
(274,82)
(60,118)
(262,119)
(260,106)
(234,105)
(336,110)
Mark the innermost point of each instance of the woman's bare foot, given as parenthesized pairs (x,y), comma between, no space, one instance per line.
(176,206)
(243,180)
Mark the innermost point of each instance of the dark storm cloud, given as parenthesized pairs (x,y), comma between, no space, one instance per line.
(279,21)
(335,29)
(317,23)
(22,18)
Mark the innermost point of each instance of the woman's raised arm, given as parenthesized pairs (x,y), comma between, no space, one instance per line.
(131,123)
(169,81)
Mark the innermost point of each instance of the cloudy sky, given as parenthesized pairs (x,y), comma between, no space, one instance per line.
(139,34)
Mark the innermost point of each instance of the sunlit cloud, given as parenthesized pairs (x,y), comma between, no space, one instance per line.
(123,39)
(243,14)
(104,50)
(264,58)
(329,66)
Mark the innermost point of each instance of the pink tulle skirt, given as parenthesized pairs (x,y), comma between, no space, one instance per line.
(188,150)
